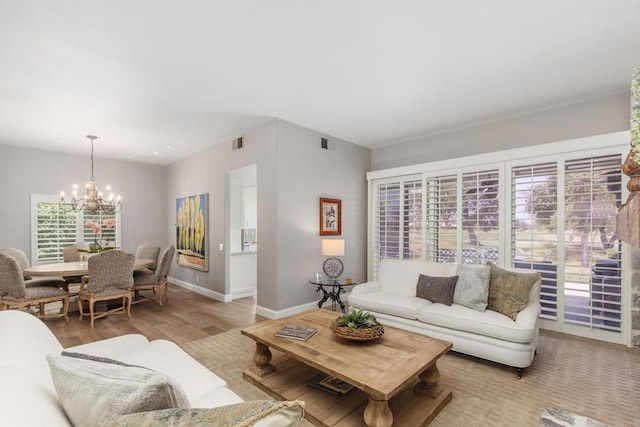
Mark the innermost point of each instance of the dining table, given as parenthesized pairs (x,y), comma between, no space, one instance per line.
(75,268)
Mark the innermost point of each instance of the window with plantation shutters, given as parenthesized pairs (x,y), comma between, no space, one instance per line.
(480,217)
(53,229)
(441,212)
(534,231)
(398,220)
(592,260)
(550,209)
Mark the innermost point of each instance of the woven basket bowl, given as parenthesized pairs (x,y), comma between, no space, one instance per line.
(357,334)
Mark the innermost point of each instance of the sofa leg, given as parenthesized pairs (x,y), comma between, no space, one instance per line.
(519,372)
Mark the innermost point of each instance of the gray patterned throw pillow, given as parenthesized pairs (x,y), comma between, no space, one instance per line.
(472,289)
(436,289)
(91,389)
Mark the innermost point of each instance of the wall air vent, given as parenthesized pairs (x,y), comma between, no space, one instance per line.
(236,144)
(324,143)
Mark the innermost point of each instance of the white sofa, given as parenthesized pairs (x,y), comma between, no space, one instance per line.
(488,335)
(27,393)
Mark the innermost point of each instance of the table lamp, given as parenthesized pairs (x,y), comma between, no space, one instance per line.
(332,266)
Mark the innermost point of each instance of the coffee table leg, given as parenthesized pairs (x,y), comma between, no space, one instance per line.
(378,414)
(262,357)
(428,384)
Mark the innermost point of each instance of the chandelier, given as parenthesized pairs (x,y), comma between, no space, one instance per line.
(93,201)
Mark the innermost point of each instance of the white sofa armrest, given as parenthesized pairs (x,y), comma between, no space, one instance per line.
(365,288)
(528,318)
(112,347)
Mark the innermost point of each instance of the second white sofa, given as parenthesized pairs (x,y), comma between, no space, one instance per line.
(485,334)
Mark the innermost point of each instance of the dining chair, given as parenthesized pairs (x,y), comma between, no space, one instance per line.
(110,277)
(23,263)
(14,293)
(156,282)
(71,253)
(148,251)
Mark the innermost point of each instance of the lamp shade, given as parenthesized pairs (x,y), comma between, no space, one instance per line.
(332,247)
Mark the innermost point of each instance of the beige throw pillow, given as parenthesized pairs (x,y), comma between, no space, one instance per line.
(91,389)
(509,291)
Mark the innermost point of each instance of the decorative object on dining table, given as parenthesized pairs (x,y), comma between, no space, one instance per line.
(358,325)
(99,245)
(330,217)
(332,266)
(93,201)
(191,231)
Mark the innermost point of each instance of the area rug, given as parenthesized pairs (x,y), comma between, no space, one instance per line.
(555,417)
(597,380)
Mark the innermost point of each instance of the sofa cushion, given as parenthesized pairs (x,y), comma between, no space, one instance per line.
(488,323)
(92,388)
(509,291)
(472,289)
(436,289)
(398,276)
(255,413)
(391,304)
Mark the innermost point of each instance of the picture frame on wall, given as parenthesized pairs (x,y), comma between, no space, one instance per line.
(330,217)
(192,213)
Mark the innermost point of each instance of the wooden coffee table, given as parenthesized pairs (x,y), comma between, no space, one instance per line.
(395,376)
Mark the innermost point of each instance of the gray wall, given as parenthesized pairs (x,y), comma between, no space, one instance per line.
(307,172)
(26,171)
(205,173)
(605,115)
(292,174)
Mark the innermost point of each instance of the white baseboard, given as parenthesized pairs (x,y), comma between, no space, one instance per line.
(279,314)
(243,293)
(199,290)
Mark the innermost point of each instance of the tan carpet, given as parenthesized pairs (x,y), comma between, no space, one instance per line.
(587,377)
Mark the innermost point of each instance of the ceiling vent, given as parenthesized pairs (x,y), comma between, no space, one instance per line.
(236,144)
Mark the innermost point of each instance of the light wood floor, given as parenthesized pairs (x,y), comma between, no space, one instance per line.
(186,317)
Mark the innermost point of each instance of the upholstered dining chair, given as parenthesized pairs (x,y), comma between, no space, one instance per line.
(156,282)
(29,281)
(14,293)
(71,253)
(149,251)
(110,277)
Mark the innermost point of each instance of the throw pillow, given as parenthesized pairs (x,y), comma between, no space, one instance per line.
(254,413)
(509,291)
(91,389)
(436,289)
(472,289)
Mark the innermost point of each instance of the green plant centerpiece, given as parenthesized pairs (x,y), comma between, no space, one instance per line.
(357,325)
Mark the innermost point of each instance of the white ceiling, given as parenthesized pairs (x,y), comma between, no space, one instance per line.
(144,74)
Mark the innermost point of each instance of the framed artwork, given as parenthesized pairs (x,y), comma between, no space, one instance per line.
(330,217)
(192,217)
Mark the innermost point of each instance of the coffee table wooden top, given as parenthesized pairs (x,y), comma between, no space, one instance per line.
(381,368)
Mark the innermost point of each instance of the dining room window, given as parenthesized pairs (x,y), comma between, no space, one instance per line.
(53,229)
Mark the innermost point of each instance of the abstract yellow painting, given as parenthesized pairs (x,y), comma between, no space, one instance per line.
(191,231)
